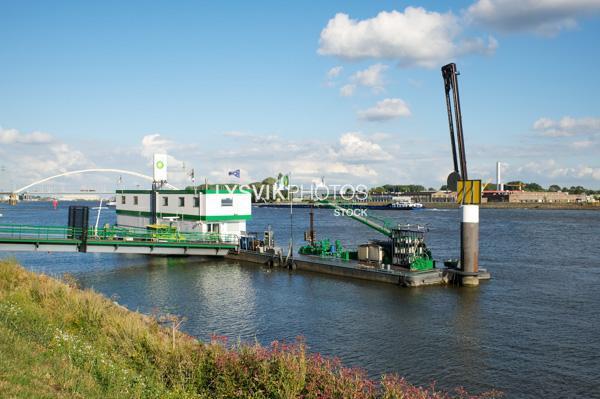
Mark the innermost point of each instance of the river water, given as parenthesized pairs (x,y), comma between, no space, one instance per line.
(532,331)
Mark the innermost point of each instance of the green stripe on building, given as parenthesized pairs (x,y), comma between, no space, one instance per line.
(184,217)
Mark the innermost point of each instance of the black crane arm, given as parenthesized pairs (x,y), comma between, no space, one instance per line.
(450,74)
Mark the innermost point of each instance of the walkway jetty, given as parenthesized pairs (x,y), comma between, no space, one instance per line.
(161,241)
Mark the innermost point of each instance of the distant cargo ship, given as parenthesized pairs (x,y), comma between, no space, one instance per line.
(404,205)
(399,205)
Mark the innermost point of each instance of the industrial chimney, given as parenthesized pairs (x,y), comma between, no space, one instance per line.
(499,185)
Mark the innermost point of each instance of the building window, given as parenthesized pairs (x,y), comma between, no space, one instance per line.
(135,200)
(227,202)
(181,202)
(212,227)
(196,202)
(122,199)
(165,201)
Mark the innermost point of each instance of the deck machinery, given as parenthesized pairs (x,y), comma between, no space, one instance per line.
(325,248)
(405,247)
(322,248)
(409,249)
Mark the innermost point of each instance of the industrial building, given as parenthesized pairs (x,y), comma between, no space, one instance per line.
(533,197)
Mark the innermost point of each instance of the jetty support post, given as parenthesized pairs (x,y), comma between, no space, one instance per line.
(469,245)
(154,203)
(13,199)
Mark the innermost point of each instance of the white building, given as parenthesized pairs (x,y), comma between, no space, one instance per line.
(205,211)
(78,197)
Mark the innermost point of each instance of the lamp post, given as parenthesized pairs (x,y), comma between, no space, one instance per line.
(291,216)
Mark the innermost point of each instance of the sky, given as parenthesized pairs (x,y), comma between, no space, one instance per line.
(348,91)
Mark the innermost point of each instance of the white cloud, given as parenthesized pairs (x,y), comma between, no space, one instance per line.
(415,37)
(552,169)
(353,157)
(371,77)
(235,133)
(28,157)
(334,72)
(354,147)
(417,83)
(56,158)
(387,109)
(307,171)
(154,143)
(347,90)
(13,136)
(543,123)
(567,126)
(367,159)
(380,136)
(587,171)
(178,169)
(544,17)
(583,144)
(255,138)
(356,171)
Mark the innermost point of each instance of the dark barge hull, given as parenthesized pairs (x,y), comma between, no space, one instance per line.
(353,269)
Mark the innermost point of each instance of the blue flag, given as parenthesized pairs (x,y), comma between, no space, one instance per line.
(235,173)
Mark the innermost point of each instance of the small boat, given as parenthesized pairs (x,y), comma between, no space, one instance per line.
(405,205)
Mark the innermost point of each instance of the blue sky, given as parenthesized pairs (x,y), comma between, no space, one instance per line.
(347,90)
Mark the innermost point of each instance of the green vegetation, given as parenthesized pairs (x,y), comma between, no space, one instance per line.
(411,188)
(397,188)
(516,185)
(512,185)
(57,341)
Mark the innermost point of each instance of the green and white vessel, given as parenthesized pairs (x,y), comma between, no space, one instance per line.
(205,211)
(222,210)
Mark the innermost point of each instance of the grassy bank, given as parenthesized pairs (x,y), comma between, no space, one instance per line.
(59,341)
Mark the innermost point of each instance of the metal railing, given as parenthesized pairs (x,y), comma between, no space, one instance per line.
(18,231)
(133,234)
(14,231)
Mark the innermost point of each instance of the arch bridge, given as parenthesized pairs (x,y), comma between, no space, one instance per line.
(14,194)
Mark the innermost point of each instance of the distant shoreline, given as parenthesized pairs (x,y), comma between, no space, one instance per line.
(492,205)
(446,205)
(516,205)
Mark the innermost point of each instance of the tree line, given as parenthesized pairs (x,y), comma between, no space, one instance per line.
(412,188)
(511,185)
(519,185)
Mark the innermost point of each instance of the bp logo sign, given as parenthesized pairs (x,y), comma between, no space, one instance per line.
(160,167)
